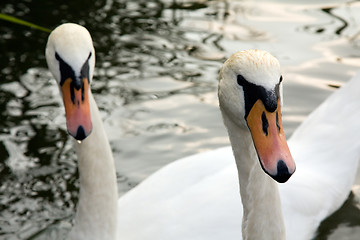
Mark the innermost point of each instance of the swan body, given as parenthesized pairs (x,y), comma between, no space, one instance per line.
(198,197)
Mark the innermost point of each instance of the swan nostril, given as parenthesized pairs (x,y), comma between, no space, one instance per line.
(277,121)
(80,134)
(265,124)
(283,173)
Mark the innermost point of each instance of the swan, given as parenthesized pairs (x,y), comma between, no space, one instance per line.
(70,56)
(197,197)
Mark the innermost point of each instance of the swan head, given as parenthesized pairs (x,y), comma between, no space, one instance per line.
(250,95)
(70,56)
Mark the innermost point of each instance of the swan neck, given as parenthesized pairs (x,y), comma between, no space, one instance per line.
(96,215)
(262,218)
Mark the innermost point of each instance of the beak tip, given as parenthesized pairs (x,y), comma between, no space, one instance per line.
(283,172)
(80,134)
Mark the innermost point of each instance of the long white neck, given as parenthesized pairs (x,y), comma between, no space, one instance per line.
(262,218)
(96,216)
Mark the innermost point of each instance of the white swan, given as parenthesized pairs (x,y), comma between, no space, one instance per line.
(197,197)
(71,59)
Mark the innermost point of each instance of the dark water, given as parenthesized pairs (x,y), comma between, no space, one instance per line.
(155,83)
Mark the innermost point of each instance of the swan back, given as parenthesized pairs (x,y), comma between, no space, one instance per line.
(326,148)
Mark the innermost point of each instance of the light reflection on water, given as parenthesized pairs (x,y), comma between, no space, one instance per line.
(155,84)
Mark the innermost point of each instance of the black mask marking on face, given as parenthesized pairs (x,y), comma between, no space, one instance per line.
(85,69)
(253,92)
(67,72)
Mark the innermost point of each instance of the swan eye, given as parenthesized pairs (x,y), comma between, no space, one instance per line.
(241,80)
(281,78)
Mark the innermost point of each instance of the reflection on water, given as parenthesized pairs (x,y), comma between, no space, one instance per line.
(155,83)
(348,227)
(320,28)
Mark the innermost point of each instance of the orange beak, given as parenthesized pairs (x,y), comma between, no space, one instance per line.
(270,142)
(77,108)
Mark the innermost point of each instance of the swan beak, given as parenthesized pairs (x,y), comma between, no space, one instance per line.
(270,142)
(77,108)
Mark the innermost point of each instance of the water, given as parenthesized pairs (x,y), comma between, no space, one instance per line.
(155,83)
